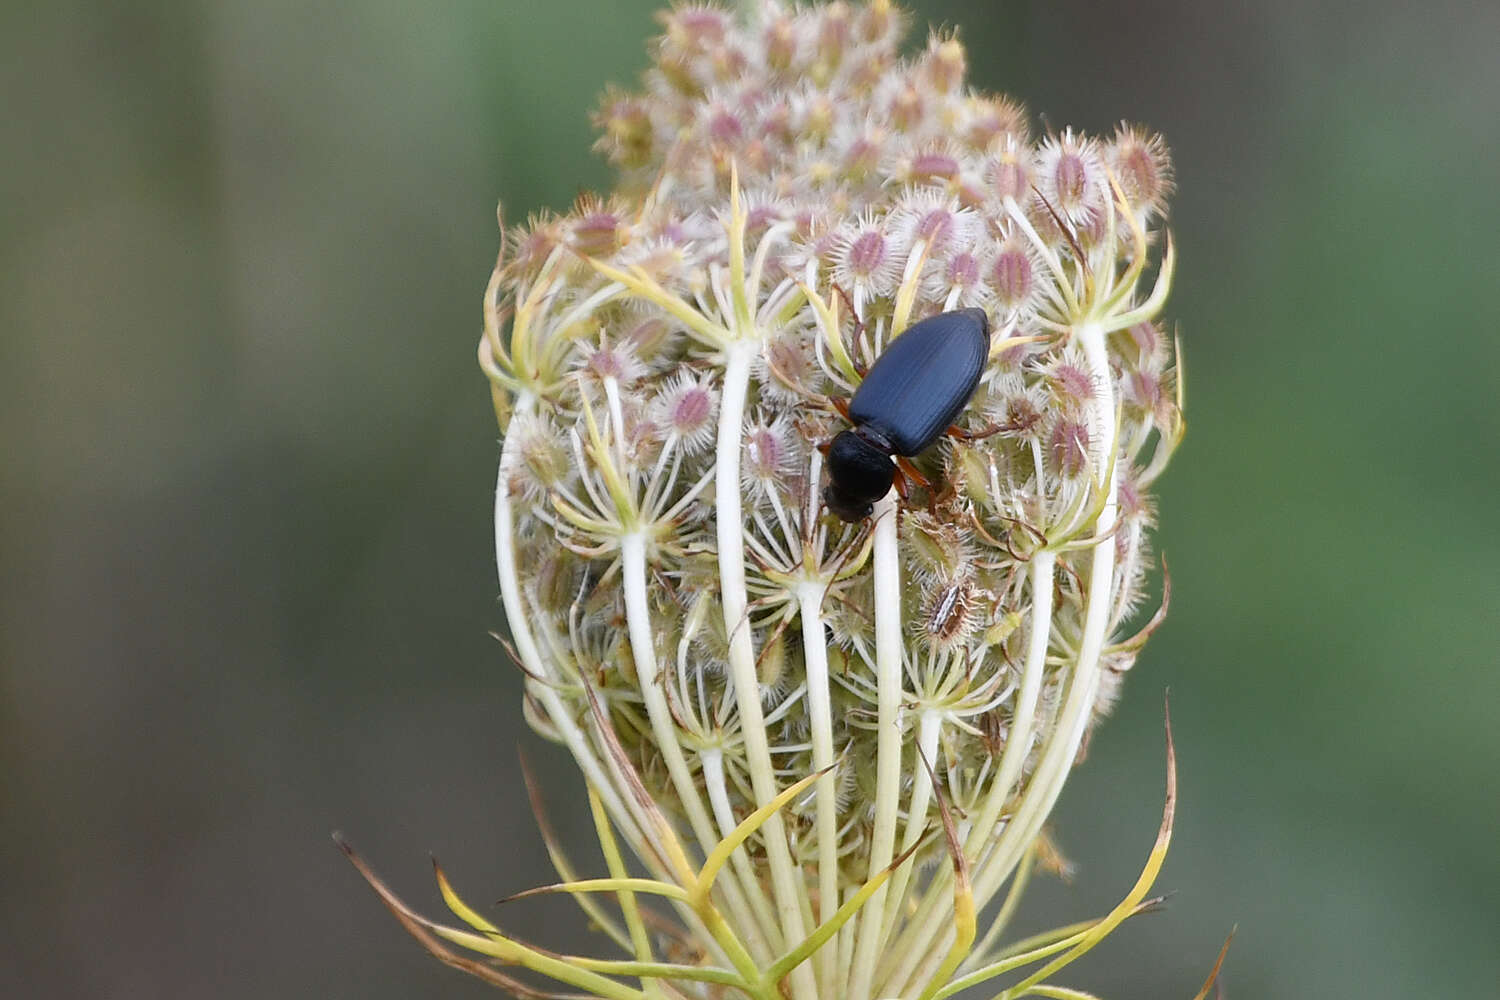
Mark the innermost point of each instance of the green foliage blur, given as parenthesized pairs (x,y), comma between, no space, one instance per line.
(248,456)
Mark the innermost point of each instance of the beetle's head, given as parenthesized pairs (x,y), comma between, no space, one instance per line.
(859,473)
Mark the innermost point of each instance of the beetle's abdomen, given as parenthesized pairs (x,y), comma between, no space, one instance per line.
(923,379)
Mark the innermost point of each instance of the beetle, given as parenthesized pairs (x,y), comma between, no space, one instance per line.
(909,397)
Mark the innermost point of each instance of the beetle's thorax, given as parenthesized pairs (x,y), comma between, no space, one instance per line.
(860,471)
(871,434)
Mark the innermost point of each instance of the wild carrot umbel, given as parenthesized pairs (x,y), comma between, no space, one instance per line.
(821,754)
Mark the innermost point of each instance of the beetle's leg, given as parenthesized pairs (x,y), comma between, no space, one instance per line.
(961,434)
(905,468)
(907,474)
(841,405)
(787,382)
(859,324)
(859,327)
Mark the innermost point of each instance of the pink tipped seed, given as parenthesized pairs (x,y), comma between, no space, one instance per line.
(945,65)
(927,166)
(1148,340)
(862,157)
(1071,384)
(696,27)
(597,233)
(767,454)
(936,227)
(866,253)
(834,32)
(725,127)
(1011,276)
(1072,177)
(1069,178)
(685,409)
(615,363)
(963,270)
(1009,177)
(991,119)
(1145,391)
(1143,167)
(692,411)
(907,107)
(864,262)
(781,43)
(1069,447)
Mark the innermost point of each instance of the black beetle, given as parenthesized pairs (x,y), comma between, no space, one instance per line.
(912,393)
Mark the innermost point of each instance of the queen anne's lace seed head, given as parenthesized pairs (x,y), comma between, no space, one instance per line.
(693,625)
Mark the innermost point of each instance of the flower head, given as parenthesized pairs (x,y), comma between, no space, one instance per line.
(829,745)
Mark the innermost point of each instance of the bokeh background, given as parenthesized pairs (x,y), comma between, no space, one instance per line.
(247,465)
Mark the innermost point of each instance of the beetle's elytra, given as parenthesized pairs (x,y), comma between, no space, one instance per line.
(913,392)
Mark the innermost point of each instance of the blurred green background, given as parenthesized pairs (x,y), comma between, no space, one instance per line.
(248,460)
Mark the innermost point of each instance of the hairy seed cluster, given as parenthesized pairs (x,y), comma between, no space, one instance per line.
(694,625)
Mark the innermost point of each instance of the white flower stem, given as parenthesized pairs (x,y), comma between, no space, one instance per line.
(820,716)
(653,693)
(1018,741)
(545,689)
(712,761)
(917,952)
(1077,710)
(1062,743)
(544,681)
(888,649)
(929,728)
(786,881)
